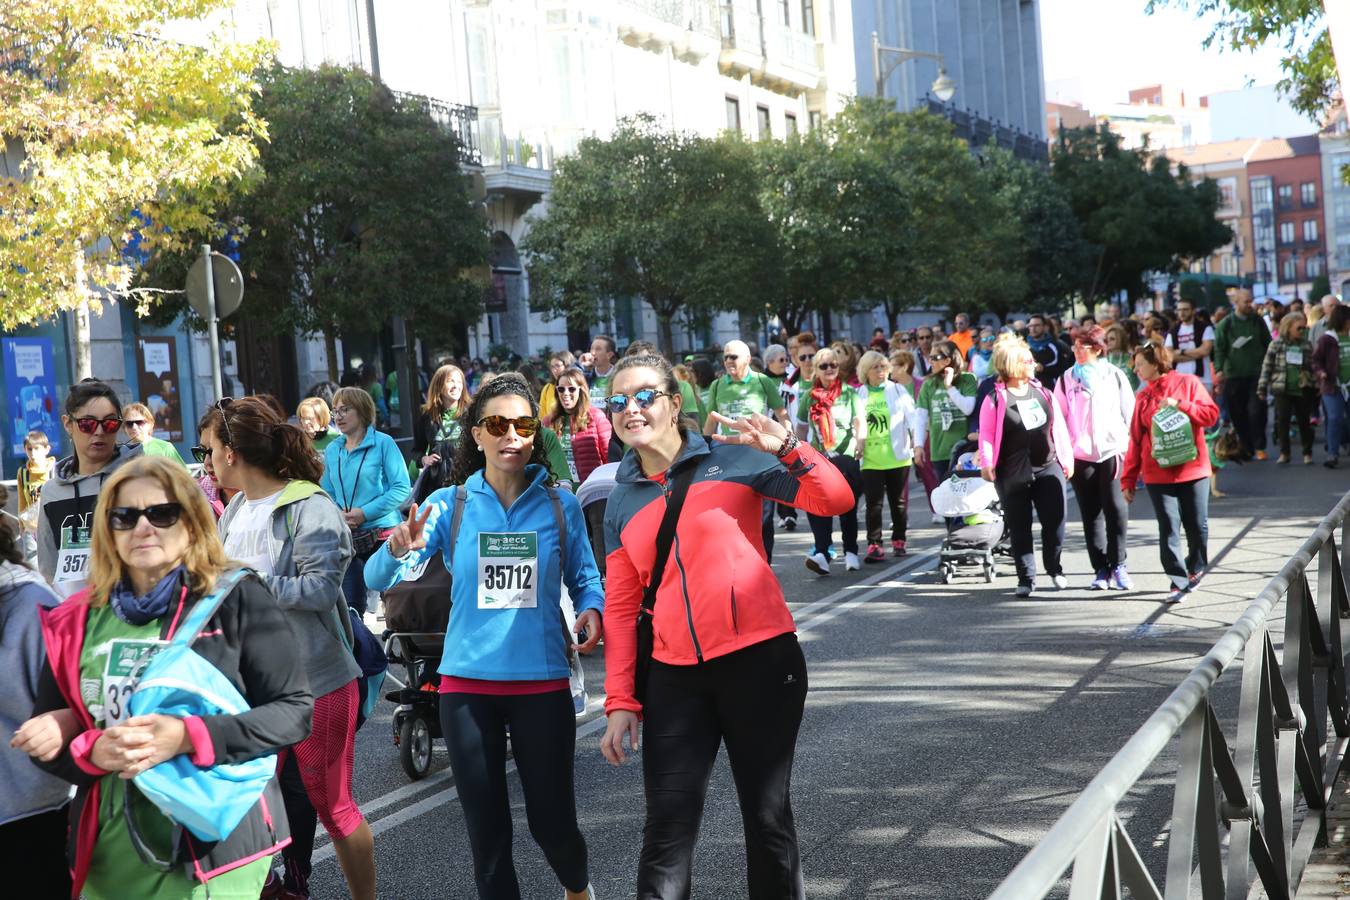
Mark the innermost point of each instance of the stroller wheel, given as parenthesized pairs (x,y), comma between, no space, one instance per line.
(989,571)
(414,747)
(945,573)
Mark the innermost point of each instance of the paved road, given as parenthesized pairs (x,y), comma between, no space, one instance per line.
(946,728)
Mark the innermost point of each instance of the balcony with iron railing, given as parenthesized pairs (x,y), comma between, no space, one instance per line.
(772,53)
(455,119)
(688,27)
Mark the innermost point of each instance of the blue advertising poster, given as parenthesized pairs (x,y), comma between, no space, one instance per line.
(30,390)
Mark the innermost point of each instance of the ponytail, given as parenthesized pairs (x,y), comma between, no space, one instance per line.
(293,455)
(254,430)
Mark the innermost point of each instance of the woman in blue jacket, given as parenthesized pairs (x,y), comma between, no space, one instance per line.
(366,475)
(505,659)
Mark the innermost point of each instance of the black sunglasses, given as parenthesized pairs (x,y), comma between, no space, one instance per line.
(827,366)
(161,515)
(496,426)
(730,357)
(804,357)
(91,425)
(200,453)
(938,357)
(617,403)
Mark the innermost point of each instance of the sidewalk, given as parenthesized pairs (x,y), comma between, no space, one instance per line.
(1328,872)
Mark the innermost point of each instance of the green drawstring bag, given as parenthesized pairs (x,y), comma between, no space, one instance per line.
(1173,440)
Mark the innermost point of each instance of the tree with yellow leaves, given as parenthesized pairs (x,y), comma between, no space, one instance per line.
(112,135)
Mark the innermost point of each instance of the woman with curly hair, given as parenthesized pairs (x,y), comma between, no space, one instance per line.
(505,661)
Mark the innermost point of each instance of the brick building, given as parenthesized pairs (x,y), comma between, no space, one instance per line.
(1286,173)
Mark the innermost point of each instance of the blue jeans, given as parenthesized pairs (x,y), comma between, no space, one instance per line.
(354,583)
(1182,507)
(1335,407)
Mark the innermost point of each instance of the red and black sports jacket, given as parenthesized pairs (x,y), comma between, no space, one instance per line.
(718,594)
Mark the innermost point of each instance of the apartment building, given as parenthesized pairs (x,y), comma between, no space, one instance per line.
(1334,143)
(1226,163)
(1286,173)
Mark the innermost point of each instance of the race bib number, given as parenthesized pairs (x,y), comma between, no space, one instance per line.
(508,570)
(1293,356)
(1032,413)
(72,561)
(127,659)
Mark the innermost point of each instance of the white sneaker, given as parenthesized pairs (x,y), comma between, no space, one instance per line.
(1059,581)
(590,893)
(818,563)
(939,520)
(851,562)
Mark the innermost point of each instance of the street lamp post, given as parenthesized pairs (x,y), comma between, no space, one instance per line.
(944,88)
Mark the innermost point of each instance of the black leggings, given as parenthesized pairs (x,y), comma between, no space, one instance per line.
(1045,491)
(1301,406)
(753,700)
(886,484)
(1106,515)
(822,527)
(543,740)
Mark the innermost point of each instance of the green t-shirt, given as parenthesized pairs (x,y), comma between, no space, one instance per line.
(1295,358)
(565,438)
(450,428)
(1344,342)
(322,441)
(600,388)
(555,455)
(847,407)
(756,394)
(1122,362)
(947,425)
(691,403)
(878,452)
(115,870)
(153,446)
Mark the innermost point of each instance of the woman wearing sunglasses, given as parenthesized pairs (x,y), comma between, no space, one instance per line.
(366,475)
(139,425)
(945,403)
(93,417)
(831,415)
(155,556)
(505,659)
(583,430)
(725,663)
(285,528)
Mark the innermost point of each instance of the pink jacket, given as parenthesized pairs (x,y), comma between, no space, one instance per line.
(991,428)
(1098,422)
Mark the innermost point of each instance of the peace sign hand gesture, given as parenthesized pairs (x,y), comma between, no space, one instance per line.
(758,431)
(411,533)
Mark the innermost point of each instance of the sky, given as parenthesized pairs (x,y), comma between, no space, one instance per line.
(1096,50)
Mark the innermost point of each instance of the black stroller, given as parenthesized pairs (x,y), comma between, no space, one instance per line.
(416,611)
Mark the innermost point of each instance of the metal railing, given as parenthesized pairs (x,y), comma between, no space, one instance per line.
(454,118)
(1282,753)
(698,16)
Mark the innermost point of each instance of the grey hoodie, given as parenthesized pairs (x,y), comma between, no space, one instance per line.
(28,790)
(68,501)
(310,548)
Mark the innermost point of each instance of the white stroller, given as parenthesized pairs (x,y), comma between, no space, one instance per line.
(974,519)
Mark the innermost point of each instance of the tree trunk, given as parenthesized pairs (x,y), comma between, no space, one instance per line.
(330,351)
(665,332)
(84,367)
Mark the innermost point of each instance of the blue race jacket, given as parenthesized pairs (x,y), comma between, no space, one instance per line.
(373,478)
(502,644)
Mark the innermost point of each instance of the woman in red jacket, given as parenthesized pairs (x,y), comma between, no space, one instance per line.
(583,430)
(1175,470)
(725,665)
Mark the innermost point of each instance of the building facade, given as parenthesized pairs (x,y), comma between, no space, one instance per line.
(1287,175)
(990,48)
(1226,163)
(1334,143)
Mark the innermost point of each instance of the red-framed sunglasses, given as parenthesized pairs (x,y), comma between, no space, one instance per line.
(91,425)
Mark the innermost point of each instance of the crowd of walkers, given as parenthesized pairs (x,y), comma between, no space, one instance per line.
(259,568)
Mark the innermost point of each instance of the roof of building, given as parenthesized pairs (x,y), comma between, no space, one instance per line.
(1213,154)
(1286,148)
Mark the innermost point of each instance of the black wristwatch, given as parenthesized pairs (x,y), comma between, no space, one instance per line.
(789,444)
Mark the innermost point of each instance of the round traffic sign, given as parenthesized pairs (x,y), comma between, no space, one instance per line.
(229,283)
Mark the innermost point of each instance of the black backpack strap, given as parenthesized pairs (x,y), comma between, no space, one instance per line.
(456,517)
(665,535)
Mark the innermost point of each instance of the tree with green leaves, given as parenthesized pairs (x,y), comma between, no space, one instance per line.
(1137,213)
(361,212)
(1299,27)
(929,233)
(121,136)
(668,217)
(1048,250)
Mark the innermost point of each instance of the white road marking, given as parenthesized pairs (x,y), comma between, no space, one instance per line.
(880,583)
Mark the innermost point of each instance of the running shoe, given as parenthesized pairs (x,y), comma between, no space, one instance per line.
(875,554)
(1307,459)
(790,523)
(818,563)
(589,893)
(1059,581)
(851,562)
(1283,460)
(1333,463)
(1193,581)
(1178,594)
(1025,588)
(1120,579)
(897,548)
(1099,581)
(1261,456)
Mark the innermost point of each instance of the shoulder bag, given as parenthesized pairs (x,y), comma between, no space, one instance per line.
(665,539)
